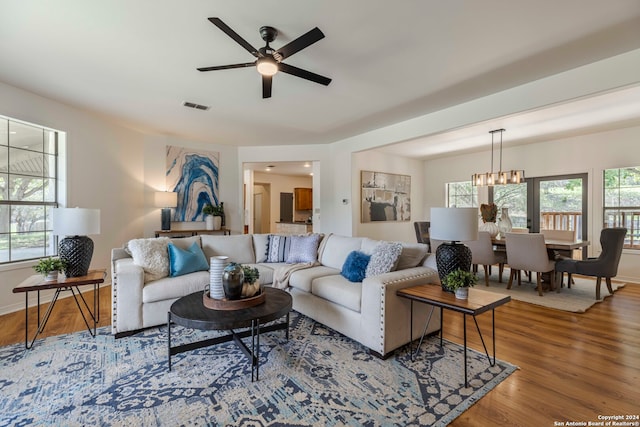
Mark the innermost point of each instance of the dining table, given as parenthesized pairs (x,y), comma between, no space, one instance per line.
(562,247)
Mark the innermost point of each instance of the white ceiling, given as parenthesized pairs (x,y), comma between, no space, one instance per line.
(135,62)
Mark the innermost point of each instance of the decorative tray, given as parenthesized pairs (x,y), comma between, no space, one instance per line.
(226,304)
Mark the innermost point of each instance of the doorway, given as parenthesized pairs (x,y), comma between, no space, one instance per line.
(286,207)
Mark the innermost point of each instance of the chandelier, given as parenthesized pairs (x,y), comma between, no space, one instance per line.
(497,178)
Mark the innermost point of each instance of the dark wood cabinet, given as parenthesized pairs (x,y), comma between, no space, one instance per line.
(303,199)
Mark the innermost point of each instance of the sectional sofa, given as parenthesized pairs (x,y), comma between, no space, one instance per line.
(368,311)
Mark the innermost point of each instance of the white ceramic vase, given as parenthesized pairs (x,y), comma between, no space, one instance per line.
(217,266)
(217,222)
(462,293)
(505,224)
(208,222)
(490,227)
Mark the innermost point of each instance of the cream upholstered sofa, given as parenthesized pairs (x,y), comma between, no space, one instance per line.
(369,311)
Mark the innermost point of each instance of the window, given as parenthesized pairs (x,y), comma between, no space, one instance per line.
(621,206)
(28,190)
(462,195)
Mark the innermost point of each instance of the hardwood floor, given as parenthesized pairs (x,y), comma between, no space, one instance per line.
(573,367)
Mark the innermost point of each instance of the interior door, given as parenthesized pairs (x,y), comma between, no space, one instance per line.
(257,213)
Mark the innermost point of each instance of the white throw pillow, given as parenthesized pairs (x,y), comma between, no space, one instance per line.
(384,258)
(152,255)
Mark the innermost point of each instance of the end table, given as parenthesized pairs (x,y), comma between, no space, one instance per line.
(37,283)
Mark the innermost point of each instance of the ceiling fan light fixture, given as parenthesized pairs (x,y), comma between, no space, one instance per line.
(267,66)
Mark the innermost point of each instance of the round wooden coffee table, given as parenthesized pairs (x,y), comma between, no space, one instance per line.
(190,312)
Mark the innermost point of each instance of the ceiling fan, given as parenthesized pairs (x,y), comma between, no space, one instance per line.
(269,61)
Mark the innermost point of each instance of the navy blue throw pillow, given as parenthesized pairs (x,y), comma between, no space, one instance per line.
(355,266)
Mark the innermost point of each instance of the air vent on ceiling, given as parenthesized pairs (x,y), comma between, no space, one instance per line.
(196,106)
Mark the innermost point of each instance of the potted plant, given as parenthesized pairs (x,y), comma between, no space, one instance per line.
(459,281)
(213,216)
(251,284)
(49,267)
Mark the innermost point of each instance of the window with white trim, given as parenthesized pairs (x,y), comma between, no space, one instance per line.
(462,195)
(621,207)
(28,190)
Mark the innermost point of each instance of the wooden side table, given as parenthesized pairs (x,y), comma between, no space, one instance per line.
(37,283)
(478,302)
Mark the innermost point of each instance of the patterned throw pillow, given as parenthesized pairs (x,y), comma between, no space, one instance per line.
(303,249)
(152,256)
(278,248)
(355,266)
(384,257)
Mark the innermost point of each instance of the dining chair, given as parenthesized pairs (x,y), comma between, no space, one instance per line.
(422,232)
(529,252)
(434,245)
(565,236)
(482,253)
(501,251)
(605,265)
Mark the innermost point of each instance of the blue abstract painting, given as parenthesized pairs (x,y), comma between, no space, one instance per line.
(194,176)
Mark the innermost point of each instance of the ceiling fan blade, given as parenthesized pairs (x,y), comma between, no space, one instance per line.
(228,31)
(301,42)
(304,74)
(227,67)
(266,86)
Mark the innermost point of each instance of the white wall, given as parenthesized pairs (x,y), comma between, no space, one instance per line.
(589,154)
(104,165)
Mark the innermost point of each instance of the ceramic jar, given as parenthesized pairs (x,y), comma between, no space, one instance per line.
(490,227)
(217,266)
(505,224)
(232,281)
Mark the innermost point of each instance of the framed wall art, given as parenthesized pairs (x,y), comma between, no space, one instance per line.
(194,176)
(385,196)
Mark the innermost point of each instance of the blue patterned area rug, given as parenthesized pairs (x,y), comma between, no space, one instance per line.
(318,377)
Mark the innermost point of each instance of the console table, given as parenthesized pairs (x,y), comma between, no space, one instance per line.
(478,302)
(188,233)
(37,283)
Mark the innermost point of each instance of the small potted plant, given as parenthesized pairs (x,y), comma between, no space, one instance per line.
(251,284)
(459,281)
(50,267)
(212,216)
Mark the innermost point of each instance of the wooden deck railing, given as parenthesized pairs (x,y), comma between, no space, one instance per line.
(628,218)
(562,221)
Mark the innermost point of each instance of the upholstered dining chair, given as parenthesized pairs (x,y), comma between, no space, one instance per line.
(606,265)
(422,232)
(482,253)
(528,252)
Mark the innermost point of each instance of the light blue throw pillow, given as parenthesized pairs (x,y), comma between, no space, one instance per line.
(186,261)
